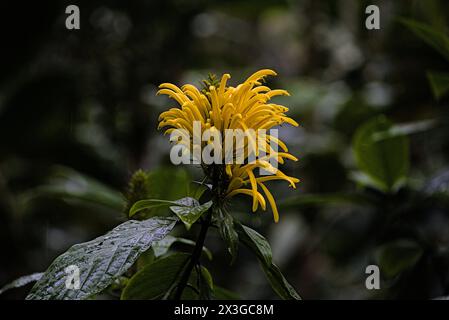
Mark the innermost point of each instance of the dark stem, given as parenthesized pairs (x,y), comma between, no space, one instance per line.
(215,175)
(196,254)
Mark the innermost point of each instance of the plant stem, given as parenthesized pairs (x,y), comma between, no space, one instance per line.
(196,254)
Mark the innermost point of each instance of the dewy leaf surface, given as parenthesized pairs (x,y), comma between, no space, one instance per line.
(100,261)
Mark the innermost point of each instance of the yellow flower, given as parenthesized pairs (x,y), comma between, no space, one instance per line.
(243,107)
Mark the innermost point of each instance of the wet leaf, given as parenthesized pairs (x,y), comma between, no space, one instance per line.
(22,281)
(101,260)
(189,210)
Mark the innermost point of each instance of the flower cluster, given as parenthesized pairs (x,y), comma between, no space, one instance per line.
(246,106)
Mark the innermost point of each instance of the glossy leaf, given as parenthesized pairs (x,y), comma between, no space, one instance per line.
(101,260)
(22,281)
(189,210)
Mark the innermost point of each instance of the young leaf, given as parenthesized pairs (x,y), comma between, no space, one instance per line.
(154,280)
(101,260)
(22,281)
(226,227)
(260,246)
(189,210)
(385,160)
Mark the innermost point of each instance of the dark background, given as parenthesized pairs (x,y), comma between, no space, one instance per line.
(78,115)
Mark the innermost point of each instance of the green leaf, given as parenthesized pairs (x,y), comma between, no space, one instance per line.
(224,294)
(22,281)
(279,284)
(199,189)
(149,204)
(384,160)
(161,247)
(189,210)
(101,260)
(206,284)
(257,243)
(398,256)
(207,277)
(435,38)
(229,235)
(260,246)
(439,83)
(68,184)
(325,199)
(154,280)
(164,183)
(169,183)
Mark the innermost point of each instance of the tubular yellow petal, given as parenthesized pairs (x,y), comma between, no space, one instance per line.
(290,120)
(178,97)
(171,87)
(253,181)
(229,170)
(261,74)
(278,142)
(271,201)
(222,87)
(277,92)
(248,192)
